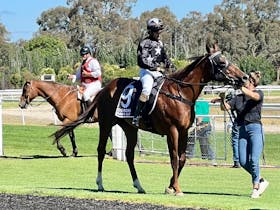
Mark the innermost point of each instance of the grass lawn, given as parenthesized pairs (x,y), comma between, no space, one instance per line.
(34,166)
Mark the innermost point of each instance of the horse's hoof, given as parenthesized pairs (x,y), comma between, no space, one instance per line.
(179,194)
(141,191)
(74,155)
(169,191)
(101,190)
(63,152)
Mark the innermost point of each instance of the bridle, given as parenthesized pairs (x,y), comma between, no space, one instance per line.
(218,68)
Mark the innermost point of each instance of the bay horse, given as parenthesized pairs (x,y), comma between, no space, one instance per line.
(172,116)
(63,99)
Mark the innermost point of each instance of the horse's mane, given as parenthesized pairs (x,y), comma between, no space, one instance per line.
(57,84)
(186,70)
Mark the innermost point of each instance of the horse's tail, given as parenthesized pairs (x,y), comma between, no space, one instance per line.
(83,118)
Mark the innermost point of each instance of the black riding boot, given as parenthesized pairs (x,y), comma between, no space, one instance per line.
(87,104)
(139,107)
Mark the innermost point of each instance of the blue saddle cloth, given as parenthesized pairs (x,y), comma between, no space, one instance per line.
(130,96)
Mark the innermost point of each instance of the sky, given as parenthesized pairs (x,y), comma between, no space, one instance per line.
(19,16)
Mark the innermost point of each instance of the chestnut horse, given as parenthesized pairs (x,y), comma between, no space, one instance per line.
(62,97)
(172,116)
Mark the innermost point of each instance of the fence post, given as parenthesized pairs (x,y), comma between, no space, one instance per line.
(1,133)
(119,143)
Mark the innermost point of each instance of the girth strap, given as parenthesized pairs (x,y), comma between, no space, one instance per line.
(183,100)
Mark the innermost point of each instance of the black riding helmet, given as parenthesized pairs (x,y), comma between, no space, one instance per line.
(85,50)
(154,24)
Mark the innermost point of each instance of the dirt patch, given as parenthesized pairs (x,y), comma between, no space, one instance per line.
(30,202)
(33,115)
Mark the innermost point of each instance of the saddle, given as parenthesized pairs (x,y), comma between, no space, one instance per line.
(130,96)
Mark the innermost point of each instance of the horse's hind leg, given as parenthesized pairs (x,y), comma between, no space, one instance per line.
(101,149)
(61,148)
(73,142)
(131,136)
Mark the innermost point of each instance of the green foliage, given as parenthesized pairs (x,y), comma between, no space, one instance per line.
(15,79)
(46,45)
(250,63)
(114,71)
(26,75)
(47,71)
(63,74)
(47,51)
(180,64)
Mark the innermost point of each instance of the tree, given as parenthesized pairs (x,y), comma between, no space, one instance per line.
(47,51)
(4,55)
(248,27)
(192,35)
(252,63)
(55,22)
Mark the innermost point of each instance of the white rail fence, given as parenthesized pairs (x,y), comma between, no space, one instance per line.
(14,94)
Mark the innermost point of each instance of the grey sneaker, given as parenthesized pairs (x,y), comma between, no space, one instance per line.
(255,193)
(263,185)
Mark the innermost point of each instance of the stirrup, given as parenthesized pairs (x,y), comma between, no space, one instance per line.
(135,121)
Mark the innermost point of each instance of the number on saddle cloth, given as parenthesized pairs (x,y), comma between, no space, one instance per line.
(130,96)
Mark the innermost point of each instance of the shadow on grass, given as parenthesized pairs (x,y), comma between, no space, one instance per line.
(129,192)
(215,193)
(90,190)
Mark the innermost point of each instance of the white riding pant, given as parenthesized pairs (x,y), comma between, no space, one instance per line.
(147,78)
(91,89)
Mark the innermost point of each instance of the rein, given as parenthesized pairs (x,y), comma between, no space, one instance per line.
(214,64)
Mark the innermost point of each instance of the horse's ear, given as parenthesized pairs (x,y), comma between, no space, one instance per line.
(211,44)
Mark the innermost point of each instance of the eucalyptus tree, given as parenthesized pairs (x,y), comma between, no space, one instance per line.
(3,45)
(262,18)
(99,23)
(46,51)
(55,22)
(4,55)
(192,34)
(229,28)
(247,28)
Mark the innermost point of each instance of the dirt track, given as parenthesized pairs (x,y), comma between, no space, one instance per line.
(33,115)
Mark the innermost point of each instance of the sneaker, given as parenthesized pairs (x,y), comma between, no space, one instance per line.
(263,185)
(214,163)
(255,194)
